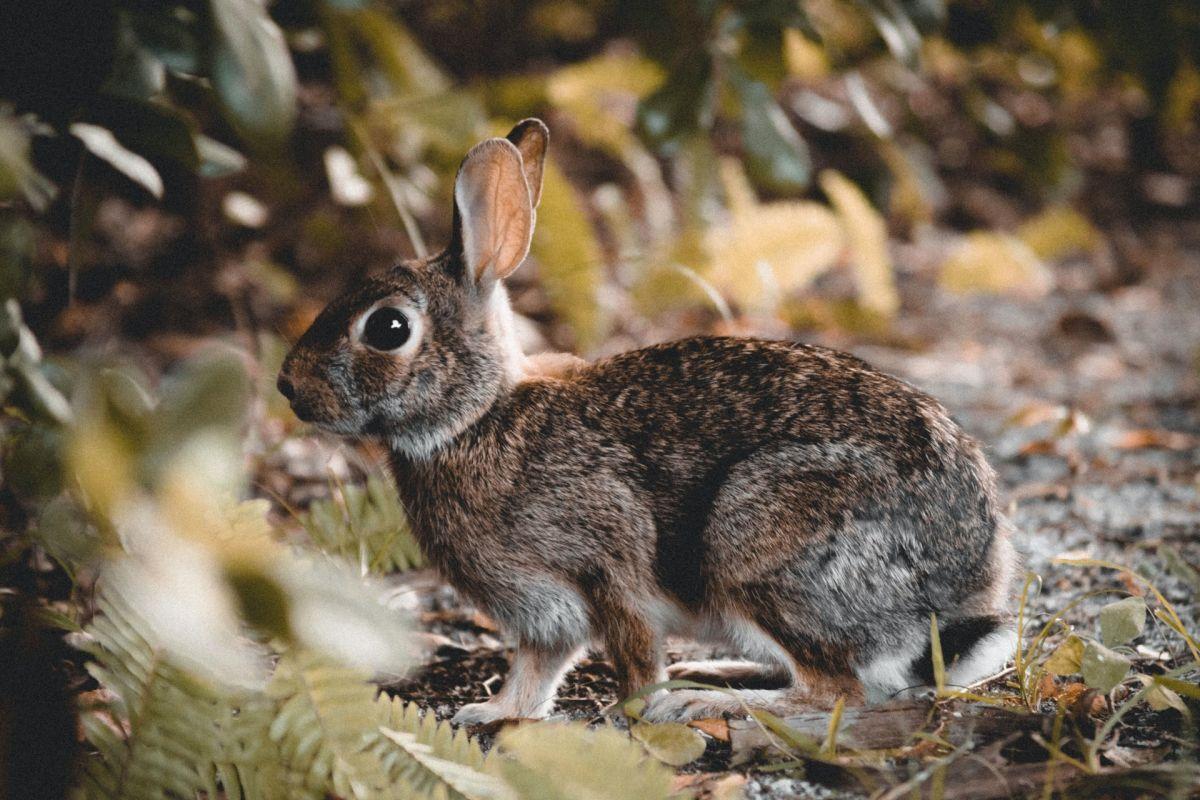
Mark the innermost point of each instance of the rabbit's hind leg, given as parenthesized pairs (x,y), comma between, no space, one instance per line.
(811,691)
(742,674)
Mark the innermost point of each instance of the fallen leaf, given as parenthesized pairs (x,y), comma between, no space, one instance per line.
(670,742)
(1160,698)
(1037,413)
(1057,232)
(1145,438)
(1039,447)
(996,263)
(1066,658)
(716,728)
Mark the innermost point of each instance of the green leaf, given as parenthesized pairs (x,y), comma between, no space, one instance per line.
(1180,568)
(569,259)
(252,71)
(168,31)
(1102,668)
(34,392)
(682,105)
(367,527)
(1122,620)
(64,532)
(670,742)
(1066,658)
(553,761)
(16,254)
(33,462)
(216,159)
(430,771)
(136,72)
(776,157)
(261,600)
(17,173)
(102,144)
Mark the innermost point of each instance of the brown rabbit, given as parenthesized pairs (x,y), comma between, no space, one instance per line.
(785,500)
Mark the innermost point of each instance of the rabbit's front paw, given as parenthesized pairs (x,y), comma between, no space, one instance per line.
(482,713)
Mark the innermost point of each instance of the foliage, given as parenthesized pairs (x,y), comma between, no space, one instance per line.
(366,525)
(531,759)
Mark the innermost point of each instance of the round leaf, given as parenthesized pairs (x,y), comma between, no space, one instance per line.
(1122,620)
(1067,658)
(1102,668)
(670,742)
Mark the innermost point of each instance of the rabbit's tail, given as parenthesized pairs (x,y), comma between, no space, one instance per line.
(973,648)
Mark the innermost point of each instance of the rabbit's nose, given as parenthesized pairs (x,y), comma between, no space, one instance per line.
(284,384)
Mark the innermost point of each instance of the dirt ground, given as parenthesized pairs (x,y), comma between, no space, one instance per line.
(1087,404)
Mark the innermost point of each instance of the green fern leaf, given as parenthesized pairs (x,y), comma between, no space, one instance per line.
(367,527)
(416,764)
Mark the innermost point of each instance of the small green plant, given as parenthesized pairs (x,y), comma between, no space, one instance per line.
(366,525)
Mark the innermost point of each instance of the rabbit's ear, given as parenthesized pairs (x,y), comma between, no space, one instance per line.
(531,136)
(493,213)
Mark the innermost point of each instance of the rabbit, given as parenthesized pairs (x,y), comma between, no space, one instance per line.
(784,500)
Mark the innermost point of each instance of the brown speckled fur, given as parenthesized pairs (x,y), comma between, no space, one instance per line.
(778,496)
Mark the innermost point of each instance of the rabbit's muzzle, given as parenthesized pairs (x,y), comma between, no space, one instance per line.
(308,400)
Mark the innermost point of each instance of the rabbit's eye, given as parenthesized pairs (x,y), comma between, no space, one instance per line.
(387,329)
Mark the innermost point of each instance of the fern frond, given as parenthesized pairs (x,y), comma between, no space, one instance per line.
(157,737)
(324,724)
(367,527)
(431,757)
(446,741)
(430,776)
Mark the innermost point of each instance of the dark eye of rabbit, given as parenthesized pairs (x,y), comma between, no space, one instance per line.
(386,329)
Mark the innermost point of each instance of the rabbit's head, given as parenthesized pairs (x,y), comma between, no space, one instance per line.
(418,354)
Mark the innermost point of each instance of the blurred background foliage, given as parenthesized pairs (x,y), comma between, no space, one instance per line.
(176,171)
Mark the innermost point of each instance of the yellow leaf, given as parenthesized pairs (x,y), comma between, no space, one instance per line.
(568,257)
(1058,231)
(1067,658)
(601,94)
(866,235)
(768,250)
(804,58)
(101,461)
(995,262)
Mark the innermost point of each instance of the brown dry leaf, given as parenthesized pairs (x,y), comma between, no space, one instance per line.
(1039,447)
(1131,584)
(1068,696)
(769,249)
(1145,438)
(1037,413)
(710,785)
(716,728)
(866,236)
(998,263)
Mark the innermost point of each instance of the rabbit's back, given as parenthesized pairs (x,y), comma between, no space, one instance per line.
(757,452)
